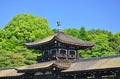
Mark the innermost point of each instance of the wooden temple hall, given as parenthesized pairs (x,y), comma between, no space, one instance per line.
(60,60)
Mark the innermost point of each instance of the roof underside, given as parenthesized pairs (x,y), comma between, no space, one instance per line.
(63,38)
(95,64)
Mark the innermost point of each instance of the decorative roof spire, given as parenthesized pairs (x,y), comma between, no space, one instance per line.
(58,24)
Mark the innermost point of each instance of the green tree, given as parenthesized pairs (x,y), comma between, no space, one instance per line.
(101,48)
(26,27)
(1,37)
(11,59)
(72,31)
(115,42)
(22,28)
(83,33)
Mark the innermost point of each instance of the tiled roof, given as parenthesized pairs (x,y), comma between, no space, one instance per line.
(101,63)
(61,37)
(44,65)
(9,72)
(36,66)
(95,64)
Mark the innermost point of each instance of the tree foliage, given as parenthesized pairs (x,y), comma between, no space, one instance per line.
(115,42)
(11,59)
(83,33)
(72,31)
(22,28)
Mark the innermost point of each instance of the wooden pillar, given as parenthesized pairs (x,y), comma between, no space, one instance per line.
(67,53)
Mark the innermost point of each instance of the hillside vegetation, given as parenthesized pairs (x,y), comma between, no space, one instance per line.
(27,27)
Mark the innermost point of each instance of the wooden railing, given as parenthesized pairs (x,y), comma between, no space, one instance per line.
(58,55)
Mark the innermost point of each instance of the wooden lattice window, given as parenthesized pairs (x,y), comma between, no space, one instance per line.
(72,52)
(63,51)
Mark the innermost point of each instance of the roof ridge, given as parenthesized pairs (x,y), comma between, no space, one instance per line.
(97,58)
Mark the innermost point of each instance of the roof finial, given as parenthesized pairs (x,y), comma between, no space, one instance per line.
(58,24)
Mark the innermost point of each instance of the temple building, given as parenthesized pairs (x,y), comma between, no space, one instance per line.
(60,60)
(59,46)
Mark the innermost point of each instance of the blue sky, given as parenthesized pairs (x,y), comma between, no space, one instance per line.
(93,14)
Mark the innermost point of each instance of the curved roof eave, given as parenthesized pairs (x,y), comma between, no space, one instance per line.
(63,38)
(43,41)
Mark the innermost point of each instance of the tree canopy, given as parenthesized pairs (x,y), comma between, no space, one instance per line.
(22,28)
